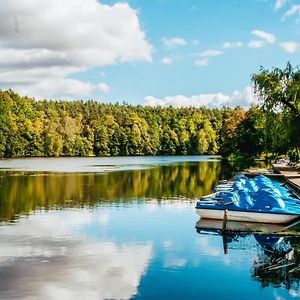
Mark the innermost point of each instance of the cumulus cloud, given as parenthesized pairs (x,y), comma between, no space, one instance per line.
(292,11)
(103,87)
(255,44)
(57,38)
(232,45)
(47,87)
(238,98)
(279,4)
(209,53)
(289,47)
(267,37)
(173,42)
(167,60)
(201,62)
(195,42)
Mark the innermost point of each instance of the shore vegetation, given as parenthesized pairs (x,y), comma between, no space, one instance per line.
(87,128)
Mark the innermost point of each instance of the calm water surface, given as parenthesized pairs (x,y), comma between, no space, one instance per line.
(122,228)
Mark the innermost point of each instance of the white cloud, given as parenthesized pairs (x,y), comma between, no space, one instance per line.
(268,37)
(173,42)
(201,62)
(59,88)
(195,42)
(289,47)
(255,44)
(279,4)
(232,45)
(238,98)
(152,101)
(57,38)
(167,60)
(293,10)
(103,87)
(209,53)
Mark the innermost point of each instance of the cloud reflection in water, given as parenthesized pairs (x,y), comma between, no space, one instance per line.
(42,258)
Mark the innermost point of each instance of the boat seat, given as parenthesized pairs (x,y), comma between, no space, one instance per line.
(245,201)
(267,199)
(238,185)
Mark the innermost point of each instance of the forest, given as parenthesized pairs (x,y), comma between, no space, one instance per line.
(87,128)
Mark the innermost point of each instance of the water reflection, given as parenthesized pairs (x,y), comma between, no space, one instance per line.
(23,192)
(46,257)
(275,260)
(120,235)
(97,164)
(278,262)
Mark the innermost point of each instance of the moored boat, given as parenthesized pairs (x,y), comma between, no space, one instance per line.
(248,216)
(256,200)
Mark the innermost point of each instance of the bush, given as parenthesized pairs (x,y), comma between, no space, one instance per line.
(294,155)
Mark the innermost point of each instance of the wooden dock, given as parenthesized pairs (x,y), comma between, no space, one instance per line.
(280,171)
(290,174)
(270,175)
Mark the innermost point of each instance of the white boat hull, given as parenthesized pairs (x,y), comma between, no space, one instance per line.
(246,216)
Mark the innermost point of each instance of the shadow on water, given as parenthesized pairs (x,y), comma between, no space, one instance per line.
(276,260)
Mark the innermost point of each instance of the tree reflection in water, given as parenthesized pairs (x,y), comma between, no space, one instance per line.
(23,192)
(276,257)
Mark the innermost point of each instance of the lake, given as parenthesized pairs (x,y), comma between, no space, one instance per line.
(126,228)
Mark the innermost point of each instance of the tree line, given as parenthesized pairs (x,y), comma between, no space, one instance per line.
(87,128)
(78,128)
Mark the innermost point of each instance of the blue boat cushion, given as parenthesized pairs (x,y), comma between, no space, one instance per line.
(245,200)
(238,185)
(259,194)
(251,186)
(266,199)
(228,197)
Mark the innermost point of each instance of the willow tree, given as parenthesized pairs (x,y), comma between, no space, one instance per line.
(279,91)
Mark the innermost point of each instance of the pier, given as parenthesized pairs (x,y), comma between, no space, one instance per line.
(290,173)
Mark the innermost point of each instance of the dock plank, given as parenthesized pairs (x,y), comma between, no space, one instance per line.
(290,173)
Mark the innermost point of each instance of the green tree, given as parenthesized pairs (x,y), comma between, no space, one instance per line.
(279,88)
(227,139)
(250,133)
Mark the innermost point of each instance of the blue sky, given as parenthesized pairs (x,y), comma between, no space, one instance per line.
(166,52)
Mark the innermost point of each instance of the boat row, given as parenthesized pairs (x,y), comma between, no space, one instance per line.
(250,200)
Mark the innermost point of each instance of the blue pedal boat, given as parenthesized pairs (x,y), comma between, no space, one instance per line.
(256,200)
